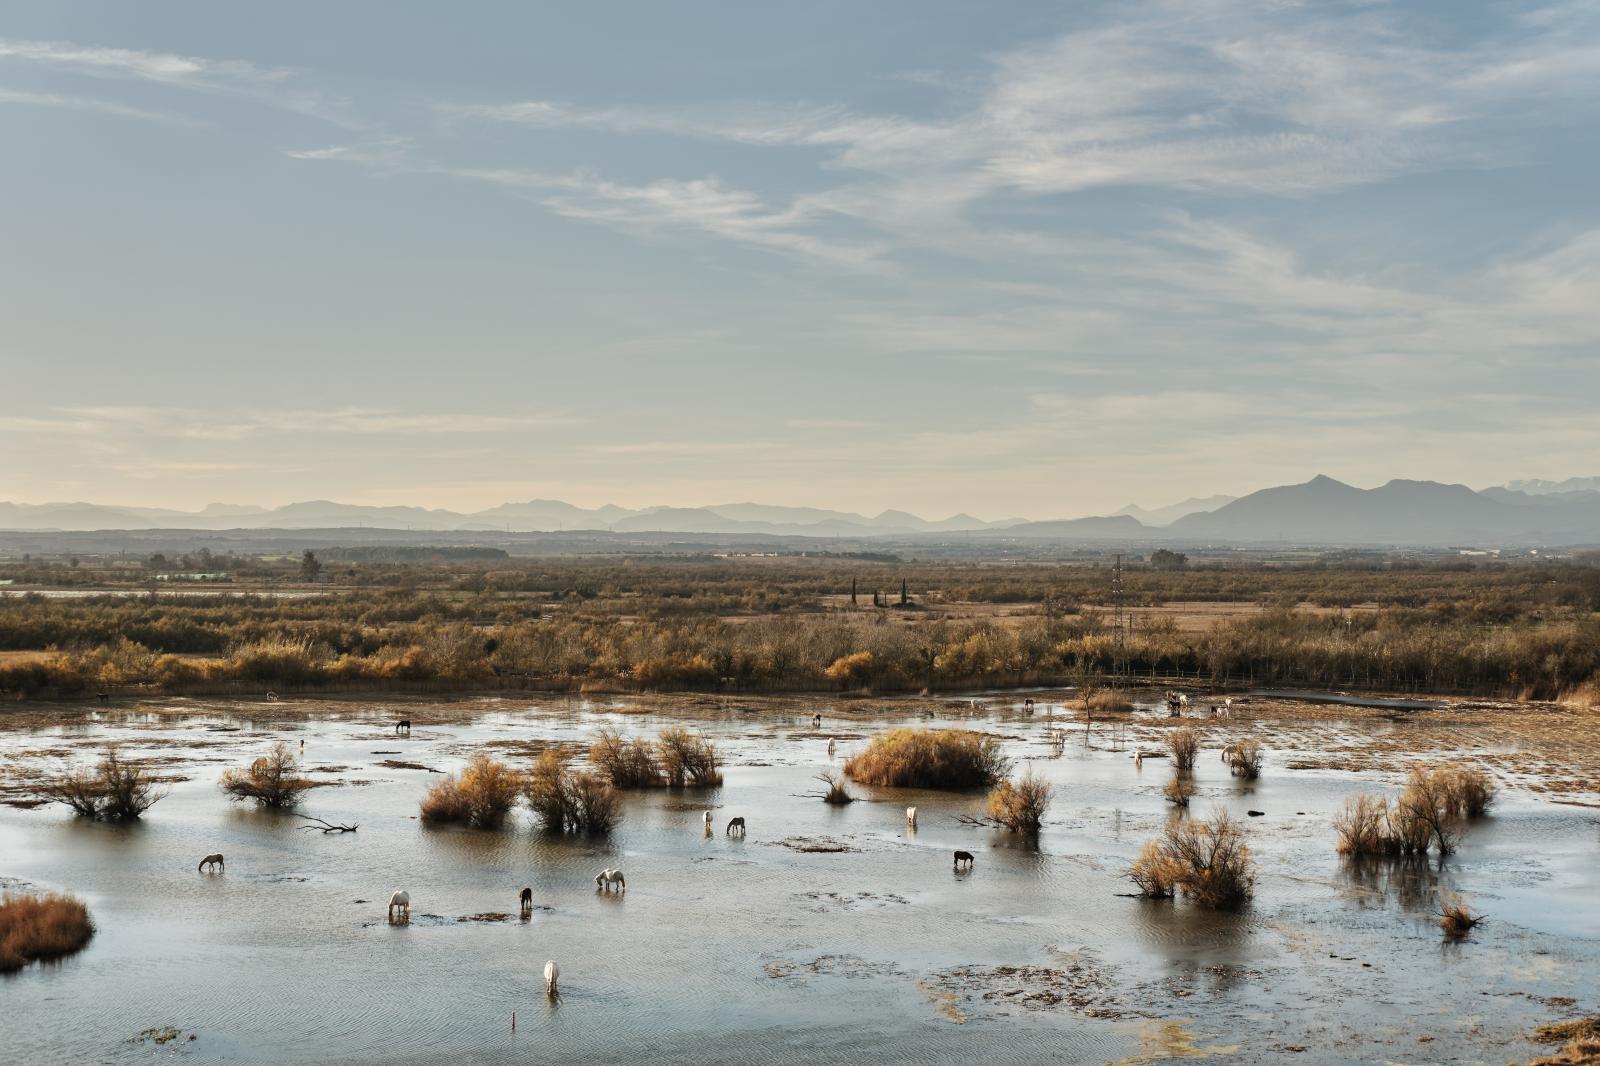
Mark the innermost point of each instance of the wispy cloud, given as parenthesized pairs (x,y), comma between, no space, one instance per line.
(279,87)
(236,425)
(87,103)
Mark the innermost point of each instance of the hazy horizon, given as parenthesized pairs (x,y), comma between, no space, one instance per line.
(1037,263)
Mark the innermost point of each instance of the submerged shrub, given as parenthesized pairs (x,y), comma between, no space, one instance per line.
(1472,791)
(1455,917)
(1020,805)
(1208,862)
(481,795)
(41,927)
(1179,790)
(626,763)
(1153,872)
(271,780)
(1108,701)
(1184,744)
(570,803)
(688,759)
(837,795)
(115,790)
(1364,827)
(930,758)
(1244,759)
(1425,815)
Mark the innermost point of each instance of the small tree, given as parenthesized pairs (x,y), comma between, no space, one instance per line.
(1184,744)
(271,781)
(688,759)
(1163,559)
(1020,805)
(310,565)
(115,790)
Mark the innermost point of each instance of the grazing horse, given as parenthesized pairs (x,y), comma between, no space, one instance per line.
(404,723)
(708,819)
(830,747)
(735,823)
(608,877)
(525,897)
(1027,706)
(552,974)
(401,900)
(1138,760)
(102,696)
(272,697)
(963,857)
(911,817)
(213,861)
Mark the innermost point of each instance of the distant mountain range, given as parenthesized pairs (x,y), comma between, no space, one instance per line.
(1320,511)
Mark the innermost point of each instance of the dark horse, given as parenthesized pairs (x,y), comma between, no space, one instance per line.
(735,823)
(404,723)
(963,857)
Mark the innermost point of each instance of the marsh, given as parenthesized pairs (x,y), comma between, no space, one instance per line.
(777,946)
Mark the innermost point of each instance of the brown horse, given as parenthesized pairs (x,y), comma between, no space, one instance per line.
(214,861)
(735,823)
(525,897)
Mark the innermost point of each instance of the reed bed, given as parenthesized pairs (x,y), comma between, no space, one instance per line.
(929,758)
(41,928)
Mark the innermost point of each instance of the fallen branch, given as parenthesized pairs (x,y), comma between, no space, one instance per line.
(328,827)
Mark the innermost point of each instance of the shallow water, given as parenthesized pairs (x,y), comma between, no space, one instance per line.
(742,950)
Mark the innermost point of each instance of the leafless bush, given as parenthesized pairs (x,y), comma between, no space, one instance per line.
(1244,759)
(1425,814)
(1455,917)
(1179,790)
(570,803)
(1184,744)
(1020,805)
(270,781)
(688,759)
(1153,873)
(626,763)
(1364,827)
(837,795)
(481,795)
(1208,861)
(115,790)
(1472,791)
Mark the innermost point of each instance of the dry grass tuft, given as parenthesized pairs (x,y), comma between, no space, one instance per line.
(1208,862)
(1179,790)
(271,780)
(930,758)
(481,795)
(115,790)
(43,927)
(1020,805)
(1108,701)
(1184,744)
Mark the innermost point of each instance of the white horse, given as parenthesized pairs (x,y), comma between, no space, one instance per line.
(552,974)
(608,877)
(402,900)
(830,747)
(911,817)
(708,819)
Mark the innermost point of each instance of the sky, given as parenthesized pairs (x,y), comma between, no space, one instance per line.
(1025,259)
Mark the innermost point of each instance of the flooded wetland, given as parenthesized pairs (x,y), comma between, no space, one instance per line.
(823,933)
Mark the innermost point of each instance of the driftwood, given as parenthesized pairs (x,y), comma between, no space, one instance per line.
(328,827)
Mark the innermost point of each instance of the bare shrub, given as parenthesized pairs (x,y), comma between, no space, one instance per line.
(1179,790)
(1455,917)
(1364,827)
(271,781)
(1153,873)
(1425,814)
(1184,744)
(930,758)
(626,763)
(570,803)
(837,795)
(1020,805)
(1244,759)
(41,927)
(1208,861)
(115,789)
(481,795)
(688,759)
(1472,791)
